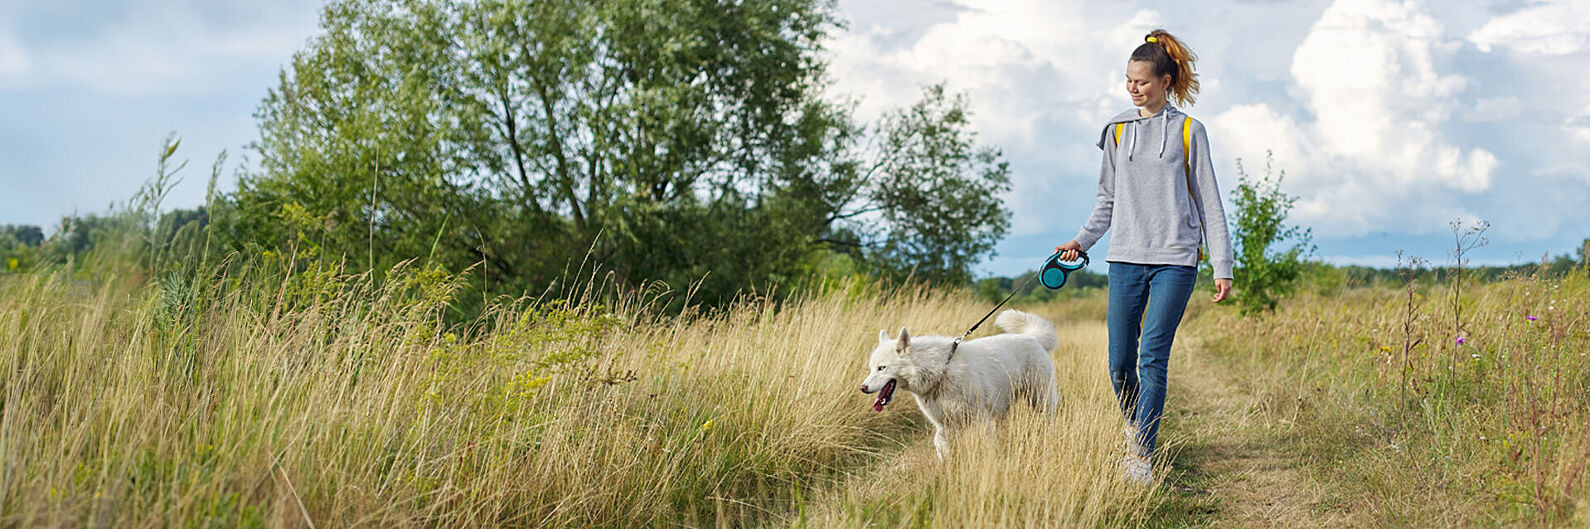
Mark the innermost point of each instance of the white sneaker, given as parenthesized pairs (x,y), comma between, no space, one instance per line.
(1134,446)
(1137,470)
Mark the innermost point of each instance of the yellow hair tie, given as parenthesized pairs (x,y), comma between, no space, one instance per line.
(1152,39)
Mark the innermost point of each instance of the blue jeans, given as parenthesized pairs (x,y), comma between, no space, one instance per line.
(1146,305)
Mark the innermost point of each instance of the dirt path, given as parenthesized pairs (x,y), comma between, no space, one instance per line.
(1232,464)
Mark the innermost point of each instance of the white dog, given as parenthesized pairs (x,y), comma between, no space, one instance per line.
(977,384)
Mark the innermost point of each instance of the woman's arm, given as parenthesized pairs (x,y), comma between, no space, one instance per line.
(1216,233)
(1099,222)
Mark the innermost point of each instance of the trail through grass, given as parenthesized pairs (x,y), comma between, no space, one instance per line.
(1234,460)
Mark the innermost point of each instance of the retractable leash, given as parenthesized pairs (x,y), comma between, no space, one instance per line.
(1053,275)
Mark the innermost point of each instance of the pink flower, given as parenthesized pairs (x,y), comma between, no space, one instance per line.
(1461,340)
(1531,318)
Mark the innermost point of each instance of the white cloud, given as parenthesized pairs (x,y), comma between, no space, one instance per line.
(1579,126)
(1547,28)
(1374,154)
(13,59)
(1496,109)
(982,48)
(1565,170)
(1250,131)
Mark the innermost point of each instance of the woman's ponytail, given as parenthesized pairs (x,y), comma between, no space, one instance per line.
(1170,56)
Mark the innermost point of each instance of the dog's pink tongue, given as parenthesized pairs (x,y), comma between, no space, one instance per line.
(883,396)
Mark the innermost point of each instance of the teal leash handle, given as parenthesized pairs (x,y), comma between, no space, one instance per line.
(1055,272)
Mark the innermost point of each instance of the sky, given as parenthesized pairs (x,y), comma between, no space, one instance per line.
(1390,119)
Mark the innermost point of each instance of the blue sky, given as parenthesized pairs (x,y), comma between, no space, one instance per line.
(1390,118)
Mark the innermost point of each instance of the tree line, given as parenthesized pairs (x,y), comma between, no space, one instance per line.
(683,141)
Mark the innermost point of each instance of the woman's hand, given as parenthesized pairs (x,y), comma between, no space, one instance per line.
(1069,251)
(1222,290)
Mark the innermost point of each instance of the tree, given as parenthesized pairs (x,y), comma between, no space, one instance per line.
(24,235)
(666,138)
(19,246)
(1584,255)
(938,191)
(1264,271)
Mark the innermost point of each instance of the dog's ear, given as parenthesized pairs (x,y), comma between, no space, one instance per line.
(883,336)
(905,341)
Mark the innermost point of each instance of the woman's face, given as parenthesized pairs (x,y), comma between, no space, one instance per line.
(1146,89)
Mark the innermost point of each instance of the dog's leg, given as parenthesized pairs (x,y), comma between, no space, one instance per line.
(941,441)
(941,437)
(938,417)
(1053,406)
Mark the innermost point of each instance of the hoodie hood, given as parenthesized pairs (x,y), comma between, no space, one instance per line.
(1135,124)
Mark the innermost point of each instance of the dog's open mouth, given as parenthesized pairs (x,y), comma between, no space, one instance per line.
(884,396)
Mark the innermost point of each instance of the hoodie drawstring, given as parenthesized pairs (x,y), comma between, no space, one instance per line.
(1164,132)
(1164,136)
(1131,149)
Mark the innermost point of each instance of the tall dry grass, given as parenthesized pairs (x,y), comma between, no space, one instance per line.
(1035,471)
(254,396)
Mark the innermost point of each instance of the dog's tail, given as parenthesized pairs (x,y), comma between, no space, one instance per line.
(1018,322)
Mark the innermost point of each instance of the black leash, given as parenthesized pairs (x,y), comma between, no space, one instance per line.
(957,343)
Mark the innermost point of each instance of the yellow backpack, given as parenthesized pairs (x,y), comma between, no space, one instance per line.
(1186,161)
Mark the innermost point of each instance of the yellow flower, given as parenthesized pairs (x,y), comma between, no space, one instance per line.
(11,263)
(706,425)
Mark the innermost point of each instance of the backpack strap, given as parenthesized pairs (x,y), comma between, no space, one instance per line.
(1186,160)
(1186,147)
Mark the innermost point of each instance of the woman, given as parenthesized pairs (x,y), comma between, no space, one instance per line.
(1161,214)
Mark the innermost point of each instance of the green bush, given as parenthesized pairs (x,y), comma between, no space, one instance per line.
(1265,273)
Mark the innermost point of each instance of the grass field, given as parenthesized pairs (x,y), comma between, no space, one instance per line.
(1425,405)
(322,399)
(251,397)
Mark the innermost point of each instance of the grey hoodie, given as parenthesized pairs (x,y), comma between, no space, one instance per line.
(1143,195)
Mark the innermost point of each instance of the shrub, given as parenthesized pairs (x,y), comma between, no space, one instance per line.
(1264,272)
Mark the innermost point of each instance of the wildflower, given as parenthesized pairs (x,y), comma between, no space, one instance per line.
(1531,318)
(707,425)
(1385,348)
(1461,340)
